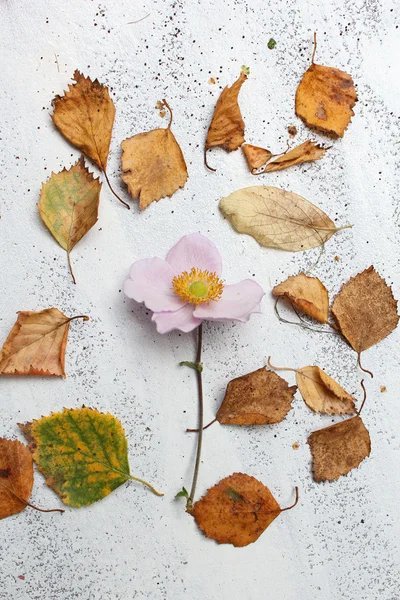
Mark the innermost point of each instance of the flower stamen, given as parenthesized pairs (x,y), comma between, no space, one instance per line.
(198,287)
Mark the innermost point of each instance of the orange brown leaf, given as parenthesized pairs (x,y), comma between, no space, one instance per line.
(306,152)
(16,477)
(237,510)
(306,293)
(338,449)
(255,156)
(36,344)
(153,165)
(257,398)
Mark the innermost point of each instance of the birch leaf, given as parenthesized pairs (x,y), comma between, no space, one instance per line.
(306,152)
(82,452)
(153,164)
(237,510)
(69,204)
(16,477)
(278,219)
(322,393)
(306,293)
(36,344)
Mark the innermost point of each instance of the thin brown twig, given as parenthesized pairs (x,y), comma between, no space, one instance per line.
(360,365)
(295,502)
(115,194)
(315,48)
(205,160)
(70,268)
(138,21)
(365,396)
(205,427)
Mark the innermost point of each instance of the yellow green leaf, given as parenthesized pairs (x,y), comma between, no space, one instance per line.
(82,452)
(69,204)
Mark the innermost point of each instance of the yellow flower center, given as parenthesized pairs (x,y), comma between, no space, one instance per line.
(198,286)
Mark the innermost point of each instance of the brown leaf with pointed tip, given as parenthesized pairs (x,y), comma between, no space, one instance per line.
(227,126)
(36,344)
(16,477)
(237,510)
(365,310)
(85,116)
(278,219)
(257,398)
(306,293)
(153,165)
(338,449)
(322,393)
(69,203)
(306,152)
(255,156)
(325,99)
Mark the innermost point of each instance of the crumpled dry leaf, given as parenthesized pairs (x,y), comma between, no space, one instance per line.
(36,344)
(257,398)
(68,205)
(322,393)
(306,293)
(365,310)
(278,219)
(237,510)
(85,116)
(325,99)
(338,449)
(227,126)
(306,152)
(16,477)
(255,156)
(153,164)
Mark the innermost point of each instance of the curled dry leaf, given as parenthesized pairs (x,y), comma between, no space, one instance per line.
(227,126)
(69,204)
(16,477)
(257,398)
(325,99)
(82,452)
(338,449)
(255,156)
(365,310)
(237,510)
(306,152)
(36,344)
(153,164)
(306,293)
(278,219)
(322,393)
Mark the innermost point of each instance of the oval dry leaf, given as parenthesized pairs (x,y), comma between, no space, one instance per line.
(322,394)
(278,219)
(306,293)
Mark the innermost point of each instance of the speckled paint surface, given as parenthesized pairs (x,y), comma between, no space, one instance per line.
(342,540)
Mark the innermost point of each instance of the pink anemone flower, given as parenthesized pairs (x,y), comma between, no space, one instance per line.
(186,288)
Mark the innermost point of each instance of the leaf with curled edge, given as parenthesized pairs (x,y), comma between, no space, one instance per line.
(307,294)
(323,394)
(68,205)
(237,510)
(278,219)
(306,152)
(36,344)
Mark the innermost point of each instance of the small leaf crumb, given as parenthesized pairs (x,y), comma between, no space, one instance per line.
(336,258)
(295,446)
(245,70)
(292,130)
(212,81)
(271,43)
(383,388)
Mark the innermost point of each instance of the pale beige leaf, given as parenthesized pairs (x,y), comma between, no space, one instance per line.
(306,293)
(322,393)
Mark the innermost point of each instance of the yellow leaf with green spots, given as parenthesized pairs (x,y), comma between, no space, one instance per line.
(69,204)
(82,452)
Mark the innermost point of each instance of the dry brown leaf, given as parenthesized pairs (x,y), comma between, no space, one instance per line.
(278,219)
(257,398)
(306,152)
(325,99)
(153,164)
(227,126)
(365,310)
(292,130)
(85,116)
(255,156)
(36,344)
(306,293)
(322,393)
(237,510)
(338,449)
(16,477)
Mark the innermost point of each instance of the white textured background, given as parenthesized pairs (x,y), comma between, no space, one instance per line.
(342,540)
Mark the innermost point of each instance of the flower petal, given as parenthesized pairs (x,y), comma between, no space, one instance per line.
(151,282)
(237,303)
(181,319)
(195,250)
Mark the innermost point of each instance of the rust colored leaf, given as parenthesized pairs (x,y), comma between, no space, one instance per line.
(365,310)
(16,477)
(153,164)
(338,449)
(36,344)
(306,152)
(69,204)
(306,293)
(227,126)
(257,398)
(325,99)
(237,510)
(255,156)
(322,393)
